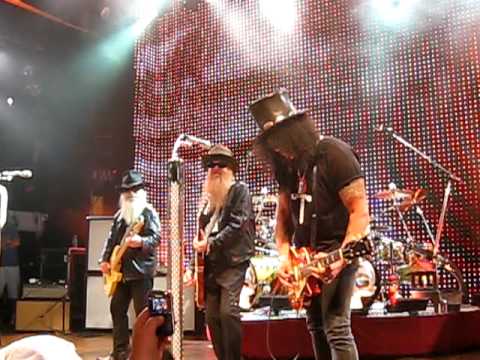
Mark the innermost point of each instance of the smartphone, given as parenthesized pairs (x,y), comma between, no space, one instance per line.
(160,304)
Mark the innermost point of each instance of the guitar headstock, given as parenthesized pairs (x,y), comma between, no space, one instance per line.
(358,248)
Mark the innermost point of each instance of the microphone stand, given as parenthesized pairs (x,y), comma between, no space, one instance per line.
(176,204)
(176,180)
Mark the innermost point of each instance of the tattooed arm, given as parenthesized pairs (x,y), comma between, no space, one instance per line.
(354,198)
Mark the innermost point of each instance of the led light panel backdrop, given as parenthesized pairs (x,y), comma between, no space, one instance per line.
(413,66)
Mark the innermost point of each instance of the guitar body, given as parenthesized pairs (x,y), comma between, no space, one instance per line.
(200,280)
(305,280)
(304,286)
(111,280)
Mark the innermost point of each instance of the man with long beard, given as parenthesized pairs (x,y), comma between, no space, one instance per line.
(322,205)
(226,235)
(138,262)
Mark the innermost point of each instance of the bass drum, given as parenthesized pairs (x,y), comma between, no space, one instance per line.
(367,286)
(258,280)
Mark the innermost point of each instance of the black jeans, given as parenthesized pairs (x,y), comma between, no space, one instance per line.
(223,313)
(126,291)
(328,319)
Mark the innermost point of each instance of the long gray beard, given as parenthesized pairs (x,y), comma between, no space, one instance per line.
(130,210)
(216,190)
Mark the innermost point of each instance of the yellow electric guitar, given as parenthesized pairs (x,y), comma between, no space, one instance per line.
(111,280)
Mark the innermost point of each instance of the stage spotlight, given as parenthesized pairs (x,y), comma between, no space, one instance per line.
(394,12)
(282,14)
(10,101)
(146,9)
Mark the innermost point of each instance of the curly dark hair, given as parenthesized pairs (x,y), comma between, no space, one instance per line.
(296,137)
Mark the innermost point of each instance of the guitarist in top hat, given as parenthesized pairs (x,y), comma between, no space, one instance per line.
(226,236)
(138,261)
(322,205)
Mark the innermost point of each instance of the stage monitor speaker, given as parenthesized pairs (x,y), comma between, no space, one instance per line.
(98,230)
(98,305)
(42,315)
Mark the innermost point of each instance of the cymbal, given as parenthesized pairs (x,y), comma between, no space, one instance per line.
(394,194)
(417,196)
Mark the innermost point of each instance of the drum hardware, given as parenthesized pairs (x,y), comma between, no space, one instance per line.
(259,278)
(451,177)
(266,251)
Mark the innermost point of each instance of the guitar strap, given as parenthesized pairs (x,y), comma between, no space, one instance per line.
(313,223)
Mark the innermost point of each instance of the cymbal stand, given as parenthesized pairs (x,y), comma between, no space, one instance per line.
(396,205)
(419,212)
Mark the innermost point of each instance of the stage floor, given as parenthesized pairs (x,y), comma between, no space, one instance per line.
(92,344)
(376,334)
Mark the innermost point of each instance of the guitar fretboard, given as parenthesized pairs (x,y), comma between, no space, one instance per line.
(331,258)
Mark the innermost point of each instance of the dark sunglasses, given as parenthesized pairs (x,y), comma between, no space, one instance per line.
(216,163)
(132,189)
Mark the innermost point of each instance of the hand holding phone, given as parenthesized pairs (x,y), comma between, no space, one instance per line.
(160,303)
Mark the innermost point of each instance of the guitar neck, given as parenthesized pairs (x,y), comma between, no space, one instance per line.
(329,259)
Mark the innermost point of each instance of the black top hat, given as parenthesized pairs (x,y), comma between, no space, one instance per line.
(131,179)
(222,153)
(272,109)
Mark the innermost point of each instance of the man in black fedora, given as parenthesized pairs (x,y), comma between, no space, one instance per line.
(226,235)
(138,262)
(322,205)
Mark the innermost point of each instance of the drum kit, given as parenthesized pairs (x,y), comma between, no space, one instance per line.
(396,258)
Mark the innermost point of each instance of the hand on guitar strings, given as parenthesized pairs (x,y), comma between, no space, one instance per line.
(105,267)
(134,241)
(284,272)
(200,244)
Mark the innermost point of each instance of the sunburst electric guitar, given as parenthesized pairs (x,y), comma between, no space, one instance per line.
(305,281)
(111,279)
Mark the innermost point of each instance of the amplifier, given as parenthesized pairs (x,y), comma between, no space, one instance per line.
(50,291)
(42,315)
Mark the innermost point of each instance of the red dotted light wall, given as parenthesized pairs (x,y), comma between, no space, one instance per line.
(354,66)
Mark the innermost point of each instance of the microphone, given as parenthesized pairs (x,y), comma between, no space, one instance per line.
(383,128)
(26,174)
(192,140)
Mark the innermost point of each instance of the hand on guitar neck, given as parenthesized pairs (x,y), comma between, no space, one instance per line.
(200,243)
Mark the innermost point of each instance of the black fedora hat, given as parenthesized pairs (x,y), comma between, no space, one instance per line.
(131,179)
(274,109)
(221,153)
